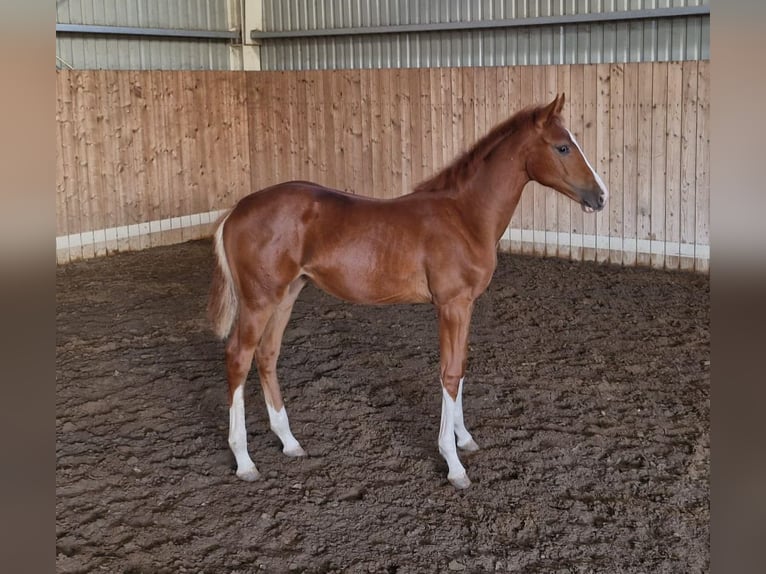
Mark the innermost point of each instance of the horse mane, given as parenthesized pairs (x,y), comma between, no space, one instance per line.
(465,165)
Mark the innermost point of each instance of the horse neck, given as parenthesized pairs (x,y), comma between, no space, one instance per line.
(490,197)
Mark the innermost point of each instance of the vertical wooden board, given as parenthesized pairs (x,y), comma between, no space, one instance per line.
(387,135)
(576,126)
(376,134)
(150,143)
(61,175)
(242,139)
(528,196)
(258,126)
(342,88)
(702,199)
(293,127)
(174,132)
(110,110)
(673,167)
(437,132)
(415,135)
(189,146)
(563,203)
(310,119)
(616,202)
(355,131)
(509,102)
(644,165)
(468,112)
(447,124)
(630,165)
(322,128)
(160,118)
(96,148)
(84,185)
(280,113)
(406,109)
(602,163)
(395,151)
(457,105)
(589,145)
(539,209)
(426,122)
(550,195)
(480,125)
(301,130)
(64,89)
(366,187)
(659,146)
(688,163)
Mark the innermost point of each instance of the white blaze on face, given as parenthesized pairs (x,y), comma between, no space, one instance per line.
(596,176)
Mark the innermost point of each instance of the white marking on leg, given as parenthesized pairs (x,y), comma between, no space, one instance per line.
(456,475)
(596,176)
(464,438)
(280,425)
(238,437)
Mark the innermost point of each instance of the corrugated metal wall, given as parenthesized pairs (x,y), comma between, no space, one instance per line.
(146,53)
(684,38)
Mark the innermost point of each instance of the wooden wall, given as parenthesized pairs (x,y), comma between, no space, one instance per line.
(156,149)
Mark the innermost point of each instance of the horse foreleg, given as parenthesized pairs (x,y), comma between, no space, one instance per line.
(454,321)
(239,358)
(266,356)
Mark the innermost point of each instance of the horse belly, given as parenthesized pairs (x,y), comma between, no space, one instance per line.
(370,279)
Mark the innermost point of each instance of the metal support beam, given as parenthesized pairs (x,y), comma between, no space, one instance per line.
(490,24)
(88,29)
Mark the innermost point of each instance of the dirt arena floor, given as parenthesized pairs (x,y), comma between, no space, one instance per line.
(588,390)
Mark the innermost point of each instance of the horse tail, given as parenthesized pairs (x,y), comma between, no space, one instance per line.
(223,304)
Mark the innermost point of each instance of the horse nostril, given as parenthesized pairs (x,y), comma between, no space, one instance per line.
(602,200)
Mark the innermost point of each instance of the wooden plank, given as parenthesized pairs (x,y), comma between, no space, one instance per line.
(539,192)
(189,147)
(673,167)
(66,177)
(447,124)
(355,132)
(426,118)
(366,83)
(109,103)
(376,135)
(563,203)
(395,149)
(630,165)
(576,126)
(468,107)
(176,182)
(688,163)
(417,127)
(84,184)
(602,165)
(589,145)
(406,109)
(258,126)
(527,203)
(702,199)
(659,145)
(242,136)
(457,105)
(151,146)
(300,128)
(616,160)
(644,164)
(437,133)
(550,196)
(293,127)
(509,101)
(387,135)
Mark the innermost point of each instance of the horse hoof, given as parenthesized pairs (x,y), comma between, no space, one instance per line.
(249,475)
(470,446)
(460,482)
(295,452)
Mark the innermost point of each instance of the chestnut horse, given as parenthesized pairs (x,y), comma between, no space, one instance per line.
(435,245)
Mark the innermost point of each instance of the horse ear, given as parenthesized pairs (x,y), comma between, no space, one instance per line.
(546,115)
(561,100)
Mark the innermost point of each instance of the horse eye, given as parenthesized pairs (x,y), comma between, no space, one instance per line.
(563,149)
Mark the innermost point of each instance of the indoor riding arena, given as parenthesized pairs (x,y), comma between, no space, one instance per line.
(587,379)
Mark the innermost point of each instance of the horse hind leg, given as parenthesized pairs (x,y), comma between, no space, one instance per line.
(239,358)
(267,355)
(464,439)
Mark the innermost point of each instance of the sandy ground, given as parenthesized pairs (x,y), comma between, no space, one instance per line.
(588,390)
